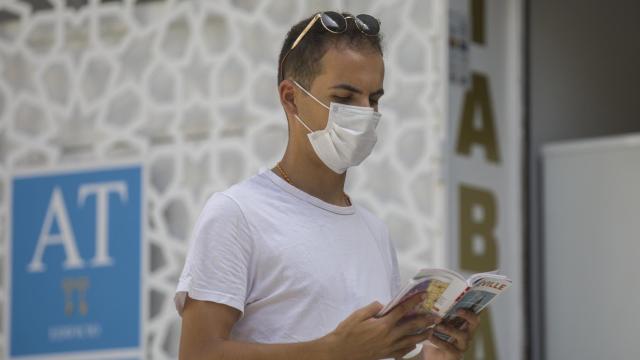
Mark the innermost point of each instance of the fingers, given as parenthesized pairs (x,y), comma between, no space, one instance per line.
(402,352)
(402,309)
(412,326)
(412,340)
(367,312)
(461,336)
(446,347)
(470,317)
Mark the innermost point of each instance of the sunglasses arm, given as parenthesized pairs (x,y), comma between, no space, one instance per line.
(300,37)
(306,29)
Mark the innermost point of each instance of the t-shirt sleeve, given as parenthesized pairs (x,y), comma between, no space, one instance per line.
(218,264)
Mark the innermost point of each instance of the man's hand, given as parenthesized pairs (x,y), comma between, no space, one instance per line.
(363,336)
(462,337)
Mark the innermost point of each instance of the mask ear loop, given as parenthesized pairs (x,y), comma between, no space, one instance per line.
(302,122)
(314,98)
(308,93)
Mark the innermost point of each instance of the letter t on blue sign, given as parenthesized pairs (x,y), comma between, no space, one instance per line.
(76,264)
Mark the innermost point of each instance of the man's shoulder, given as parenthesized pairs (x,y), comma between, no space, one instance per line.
(244,194)
(231,205)
(252,189)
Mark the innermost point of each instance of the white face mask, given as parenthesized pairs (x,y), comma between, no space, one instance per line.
(349,137)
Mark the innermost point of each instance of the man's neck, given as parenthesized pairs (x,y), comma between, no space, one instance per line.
(313,177)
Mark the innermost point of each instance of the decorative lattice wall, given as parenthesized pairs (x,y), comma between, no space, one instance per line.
(188,88)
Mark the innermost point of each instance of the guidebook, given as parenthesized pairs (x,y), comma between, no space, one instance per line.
(446,292)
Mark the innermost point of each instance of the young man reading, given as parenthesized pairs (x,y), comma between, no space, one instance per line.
(283,265)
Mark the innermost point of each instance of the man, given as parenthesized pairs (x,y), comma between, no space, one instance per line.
(283,265)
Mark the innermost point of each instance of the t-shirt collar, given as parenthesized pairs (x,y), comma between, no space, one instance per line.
(284,185)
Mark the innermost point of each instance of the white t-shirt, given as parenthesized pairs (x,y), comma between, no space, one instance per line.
(294,265)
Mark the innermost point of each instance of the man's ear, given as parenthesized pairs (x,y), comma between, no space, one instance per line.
(286,92)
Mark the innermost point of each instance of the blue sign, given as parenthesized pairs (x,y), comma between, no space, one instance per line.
(76,251)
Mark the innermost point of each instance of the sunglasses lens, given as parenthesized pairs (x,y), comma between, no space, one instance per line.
(333,21)
(367,24)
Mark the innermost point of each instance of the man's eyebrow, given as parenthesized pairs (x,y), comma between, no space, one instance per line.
(379,92)
(347,87)
(354,89)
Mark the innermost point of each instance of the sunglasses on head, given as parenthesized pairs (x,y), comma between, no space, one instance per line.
(336,23)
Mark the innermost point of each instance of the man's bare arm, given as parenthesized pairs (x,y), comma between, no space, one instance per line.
(205,335)
(206,327)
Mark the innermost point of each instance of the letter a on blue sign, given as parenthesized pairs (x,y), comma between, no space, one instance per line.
(75,264)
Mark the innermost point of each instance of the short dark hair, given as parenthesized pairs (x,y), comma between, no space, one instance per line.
(303,62)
